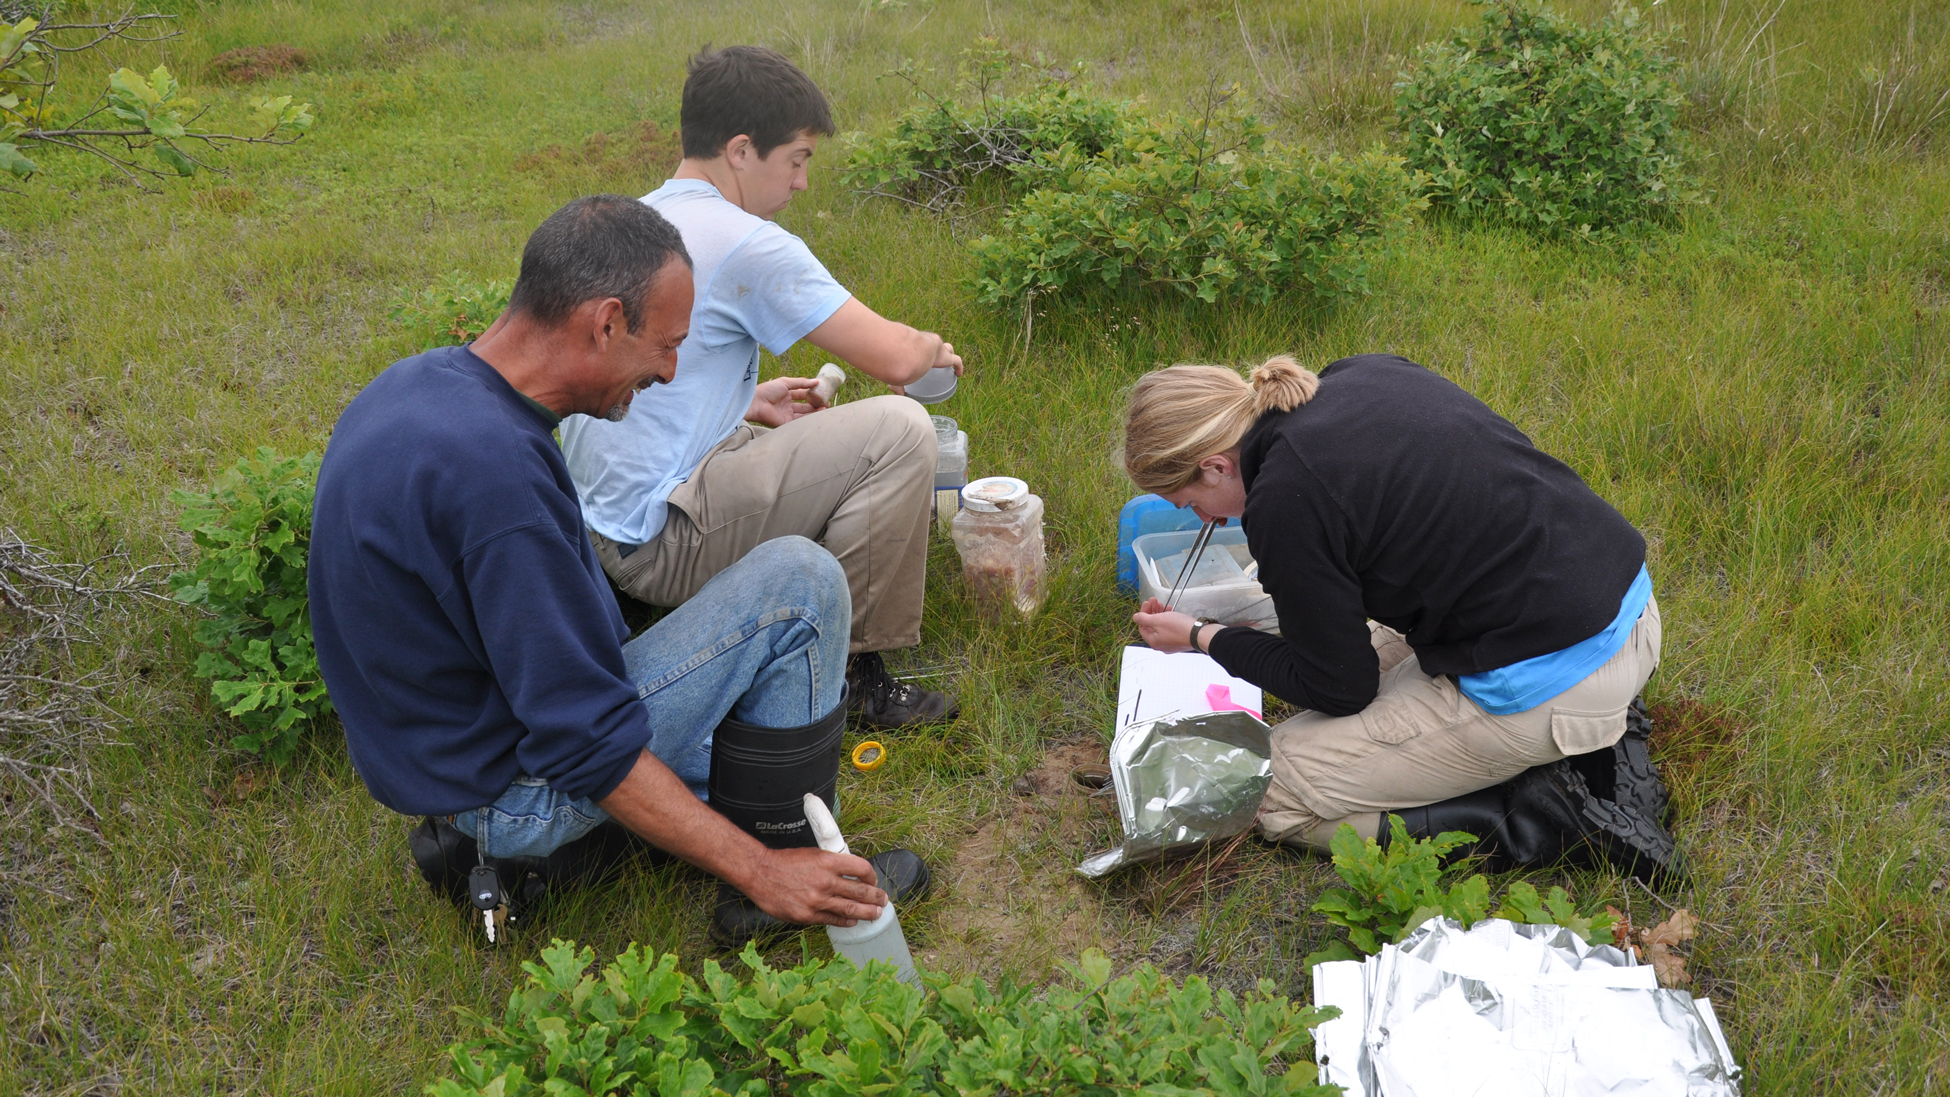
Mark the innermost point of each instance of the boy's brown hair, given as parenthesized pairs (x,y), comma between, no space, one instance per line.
(750,90)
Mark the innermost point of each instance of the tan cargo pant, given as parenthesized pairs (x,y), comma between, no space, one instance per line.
(1421,741)
(858,478)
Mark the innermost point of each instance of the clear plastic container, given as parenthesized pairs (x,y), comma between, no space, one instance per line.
(999,534)
(950,470)
(1146,514)
(1223,586)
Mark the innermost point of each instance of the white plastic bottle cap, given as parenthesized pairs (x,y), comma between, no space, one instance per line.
(993,493)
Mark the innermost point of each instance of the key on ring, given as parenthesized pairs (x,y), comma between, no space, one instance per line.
(484,891)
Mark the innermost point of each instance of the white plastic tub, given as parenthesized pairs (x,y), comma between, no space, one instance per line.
(1218,588)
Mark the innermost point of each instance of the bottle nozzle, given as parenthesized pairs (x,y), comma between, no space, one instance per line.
(825,831)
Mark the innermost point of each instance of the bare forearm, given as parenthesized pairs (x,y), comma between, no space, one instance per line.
(913,361)
(902,356)
(797,885)
(883,349)
(658,807)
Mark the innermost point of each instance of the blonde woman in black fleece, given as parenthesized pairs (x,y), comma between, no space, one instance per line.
(1465,622)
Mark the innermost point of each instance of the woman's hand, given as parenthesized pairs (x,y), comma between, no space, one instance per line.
(783,399)
(1163,629)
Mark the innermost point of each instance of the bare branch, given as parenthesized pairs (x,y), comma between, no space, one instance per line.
(50,41)
(51,714)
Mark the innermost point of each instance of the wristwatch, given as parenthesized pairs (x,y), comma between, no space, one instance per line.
(1198,626)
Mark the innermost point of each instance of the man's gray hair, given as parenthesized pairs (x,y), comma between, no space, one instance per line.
(598,246)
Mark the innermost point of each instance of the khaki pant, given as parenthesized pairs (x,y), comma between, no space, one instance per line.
(1421,741)
(858,478)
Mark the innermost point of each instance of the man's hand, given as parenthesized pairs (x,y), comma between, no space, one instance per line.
(808,886)
(811,886)
(783,399)
(1165,630)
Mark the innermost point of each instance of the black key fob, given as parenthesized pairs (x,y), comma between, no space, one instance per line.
(484,888)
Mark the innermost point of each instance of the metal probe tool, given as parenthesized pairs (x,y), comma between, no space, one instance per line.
(1191,560)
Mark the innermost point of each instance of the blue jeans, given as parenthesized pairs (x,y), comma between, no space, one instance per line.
(763,642)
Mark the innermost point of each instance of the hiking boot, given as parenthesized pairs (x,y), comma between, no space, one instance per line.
(444,855)
(446,858)
(1548,813)
(1635,782)
(900,873)
(885,703)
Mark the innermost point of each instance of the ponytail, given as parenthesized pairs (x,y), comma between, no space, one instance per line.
(1280,384)
(1181,415)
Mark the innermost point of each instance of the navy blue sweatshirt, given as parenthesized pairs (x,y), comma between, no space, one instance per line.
(464,627)
(1394,494)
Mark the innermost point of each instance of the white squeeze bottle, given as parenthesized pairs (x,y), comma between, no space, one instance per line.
(880,939)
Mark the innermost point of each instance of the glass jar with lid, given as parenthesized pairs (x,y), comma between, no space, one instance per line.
(999,534)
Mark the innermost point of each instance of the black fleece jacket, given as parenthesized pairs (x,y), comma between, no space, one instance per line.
(1394,494)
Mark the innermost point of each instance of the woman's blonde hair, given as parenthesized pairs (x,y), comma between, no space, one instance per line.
(1180,415)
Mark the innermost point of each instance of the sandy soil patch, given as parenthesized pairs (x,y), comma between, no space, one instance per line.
(1011,899)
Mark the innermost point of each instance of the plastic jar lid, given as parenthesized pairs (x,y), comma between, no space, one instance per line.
(992,493)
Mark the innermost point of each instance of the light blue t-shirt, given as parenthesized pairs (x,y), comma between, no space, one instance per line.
(1523,686)
(757,284)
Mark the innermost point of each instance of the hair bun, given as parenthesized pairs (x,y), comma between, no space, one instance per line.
(1281,384)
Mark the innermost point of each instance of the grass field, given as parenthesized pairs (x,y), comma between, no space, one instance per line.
(1764,390)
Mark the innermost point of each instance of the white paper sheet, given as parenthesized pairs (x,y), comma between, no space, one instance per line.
(1337,1044)
(1153,685)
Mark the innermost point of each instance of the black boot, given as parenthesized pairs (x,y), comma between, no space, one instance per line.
(760,776)
(759,780)
(447,857)
(1624,772)
(1532,819)
(1546,814)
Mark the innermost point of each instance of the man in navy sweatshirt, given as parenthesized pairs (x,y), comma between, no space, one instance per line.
(477,657)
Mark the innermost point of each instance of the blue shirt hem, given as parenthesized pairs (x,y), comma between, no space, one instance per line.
(1523,686)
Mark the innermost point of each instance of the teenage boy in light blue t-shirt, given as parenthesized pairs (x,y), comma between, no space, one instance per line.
(684,486)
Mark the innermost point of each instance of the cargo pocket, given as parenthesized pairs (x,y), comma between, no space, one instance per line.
(1389,721)
(1583,732)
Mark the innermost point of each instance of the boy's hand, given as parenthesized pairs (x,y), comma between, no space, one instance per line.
(783,399)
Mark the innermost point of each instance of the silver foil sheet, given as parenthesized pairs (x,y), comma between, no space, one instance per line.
(1513,1010)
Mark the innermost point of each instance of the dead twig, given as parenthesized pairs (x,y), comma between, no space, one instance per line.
(52,714)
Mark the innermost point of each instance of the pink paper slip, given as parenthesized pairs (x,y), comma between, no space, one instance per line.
(1219,696)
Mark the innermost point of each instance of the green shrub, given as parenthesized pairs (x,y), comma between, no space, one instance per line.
(934,152)
(1558,127)
(1393,891)
(1101,195)
(642,1028)
(454,313)
(1210,215)
(253,528)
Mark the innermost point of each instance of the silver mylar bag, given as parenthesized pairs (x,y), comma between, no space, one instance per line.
(1183,781)
(1528,1011)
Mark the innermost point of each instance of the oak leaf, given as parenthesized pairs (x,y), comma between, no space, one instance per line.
(1658,942)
